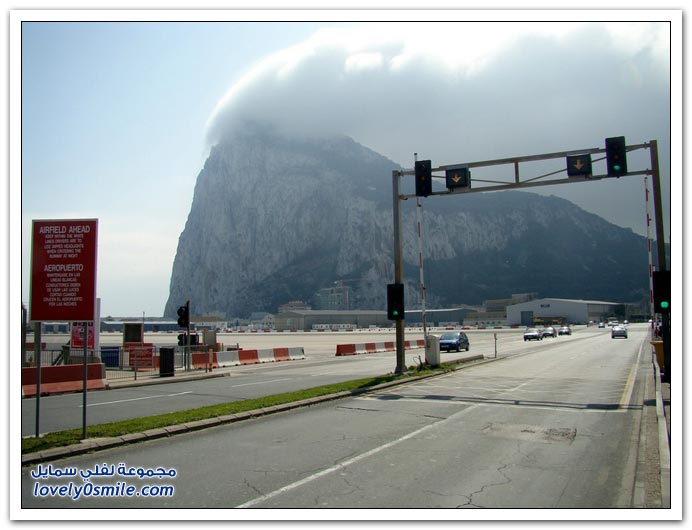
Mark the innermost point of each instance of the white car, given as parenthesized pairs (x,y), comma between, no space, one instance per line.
(618,331)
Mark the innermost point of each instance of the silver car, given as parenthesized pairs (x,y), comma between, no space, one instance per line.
(618,331)
(532,334)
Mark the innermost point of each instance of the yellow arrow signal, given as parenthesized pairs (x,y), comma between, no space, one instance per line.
(578,165)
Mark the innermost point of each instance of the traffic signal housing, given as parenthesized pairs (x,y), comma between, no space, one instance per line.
(458,178)
(423,178)
(395,301)
(184,315)
(616,156)
(661,285)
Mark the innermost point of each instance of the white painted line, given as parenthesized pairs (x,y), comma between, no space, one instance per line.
(135,399)
(355,459)
(344,464)
(261,382)
(482,402)
(629,386)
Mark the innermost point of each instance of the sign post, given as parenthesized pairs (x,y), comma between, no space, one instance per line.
(63,278)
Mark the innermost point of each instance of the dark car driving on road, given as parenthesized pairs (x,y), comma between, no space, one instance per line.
(454,340)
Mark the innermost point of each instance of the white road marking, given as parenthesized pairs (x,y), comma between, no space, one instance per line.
(346,463)
(261,382)
(484,402)
(627,392)
(134,399)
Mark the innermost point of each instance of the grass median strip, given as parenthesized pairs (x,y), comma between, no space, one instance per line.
(135,425)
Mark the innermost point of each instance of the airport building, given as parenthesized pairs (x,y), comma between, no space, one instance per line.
(559,310)
(307,320)
(439,317)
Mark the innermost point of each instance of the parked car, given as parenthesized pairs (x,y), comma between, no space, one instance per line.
(549,332)
(532,334)
(564,330)
(454,340)
(618,331)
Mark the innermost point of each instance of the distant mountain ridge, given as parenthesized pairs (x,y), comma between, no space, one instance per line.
(274,219)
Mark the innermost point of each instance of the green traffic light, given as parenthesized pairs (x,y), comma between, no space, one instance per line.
(665,305)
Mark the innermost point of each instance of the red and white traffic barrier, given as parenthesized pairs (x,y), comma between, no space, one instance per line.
(376,347)
(238,357)
(64,378)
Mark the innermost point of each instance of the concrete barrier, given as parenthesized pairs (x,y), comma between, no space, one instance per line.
(201,360)
(375,347)
(248,356)
(238,357)
(345,349)
(64,378)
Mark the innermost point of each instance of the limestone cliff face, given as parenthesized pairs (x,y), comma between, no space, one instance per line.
(275,219)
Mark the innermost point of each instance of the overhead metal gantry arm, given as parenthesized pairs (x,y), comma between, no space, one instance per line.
(535,181)
(578,168)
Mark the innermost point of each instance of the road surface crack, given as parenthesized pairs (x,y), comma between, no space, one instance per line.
(470,497)
(253,488)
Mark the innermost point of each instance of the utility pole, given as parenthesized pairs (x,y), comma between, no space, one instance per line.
(661,252)
(419,222)
(398,271)
(652,312)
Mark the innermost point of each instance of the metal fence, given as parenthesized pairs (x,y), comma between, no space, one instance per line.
(122,363)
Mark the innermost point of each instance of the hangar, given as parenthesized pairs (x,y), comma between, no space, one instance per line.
(354,319)
(559,310)
(324,319)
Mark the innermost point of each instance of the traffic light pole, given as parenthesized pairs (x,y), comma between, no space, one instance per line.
(661,252)
(616,170)
(398,271)
(187,339)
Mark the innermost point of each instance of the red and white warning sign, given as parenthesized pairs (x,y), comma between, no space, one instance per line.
(77,336)
(63,270)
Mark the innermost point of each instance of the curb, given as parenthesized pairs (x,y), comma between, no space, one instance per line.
(663,439)
(97,444)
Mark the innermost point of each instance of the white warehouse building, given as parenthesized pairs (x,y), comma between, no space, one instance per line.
(562,310)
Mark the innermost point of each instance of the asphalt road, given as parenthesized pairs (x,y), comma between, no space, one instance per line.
(555,426)
(320,367)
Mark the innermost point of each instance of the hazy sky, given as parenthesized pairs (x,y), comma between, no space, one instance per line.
(117,117)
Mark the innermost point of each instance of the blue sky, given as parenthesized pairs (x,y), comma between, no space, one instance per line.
(115,115)
(113,127)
